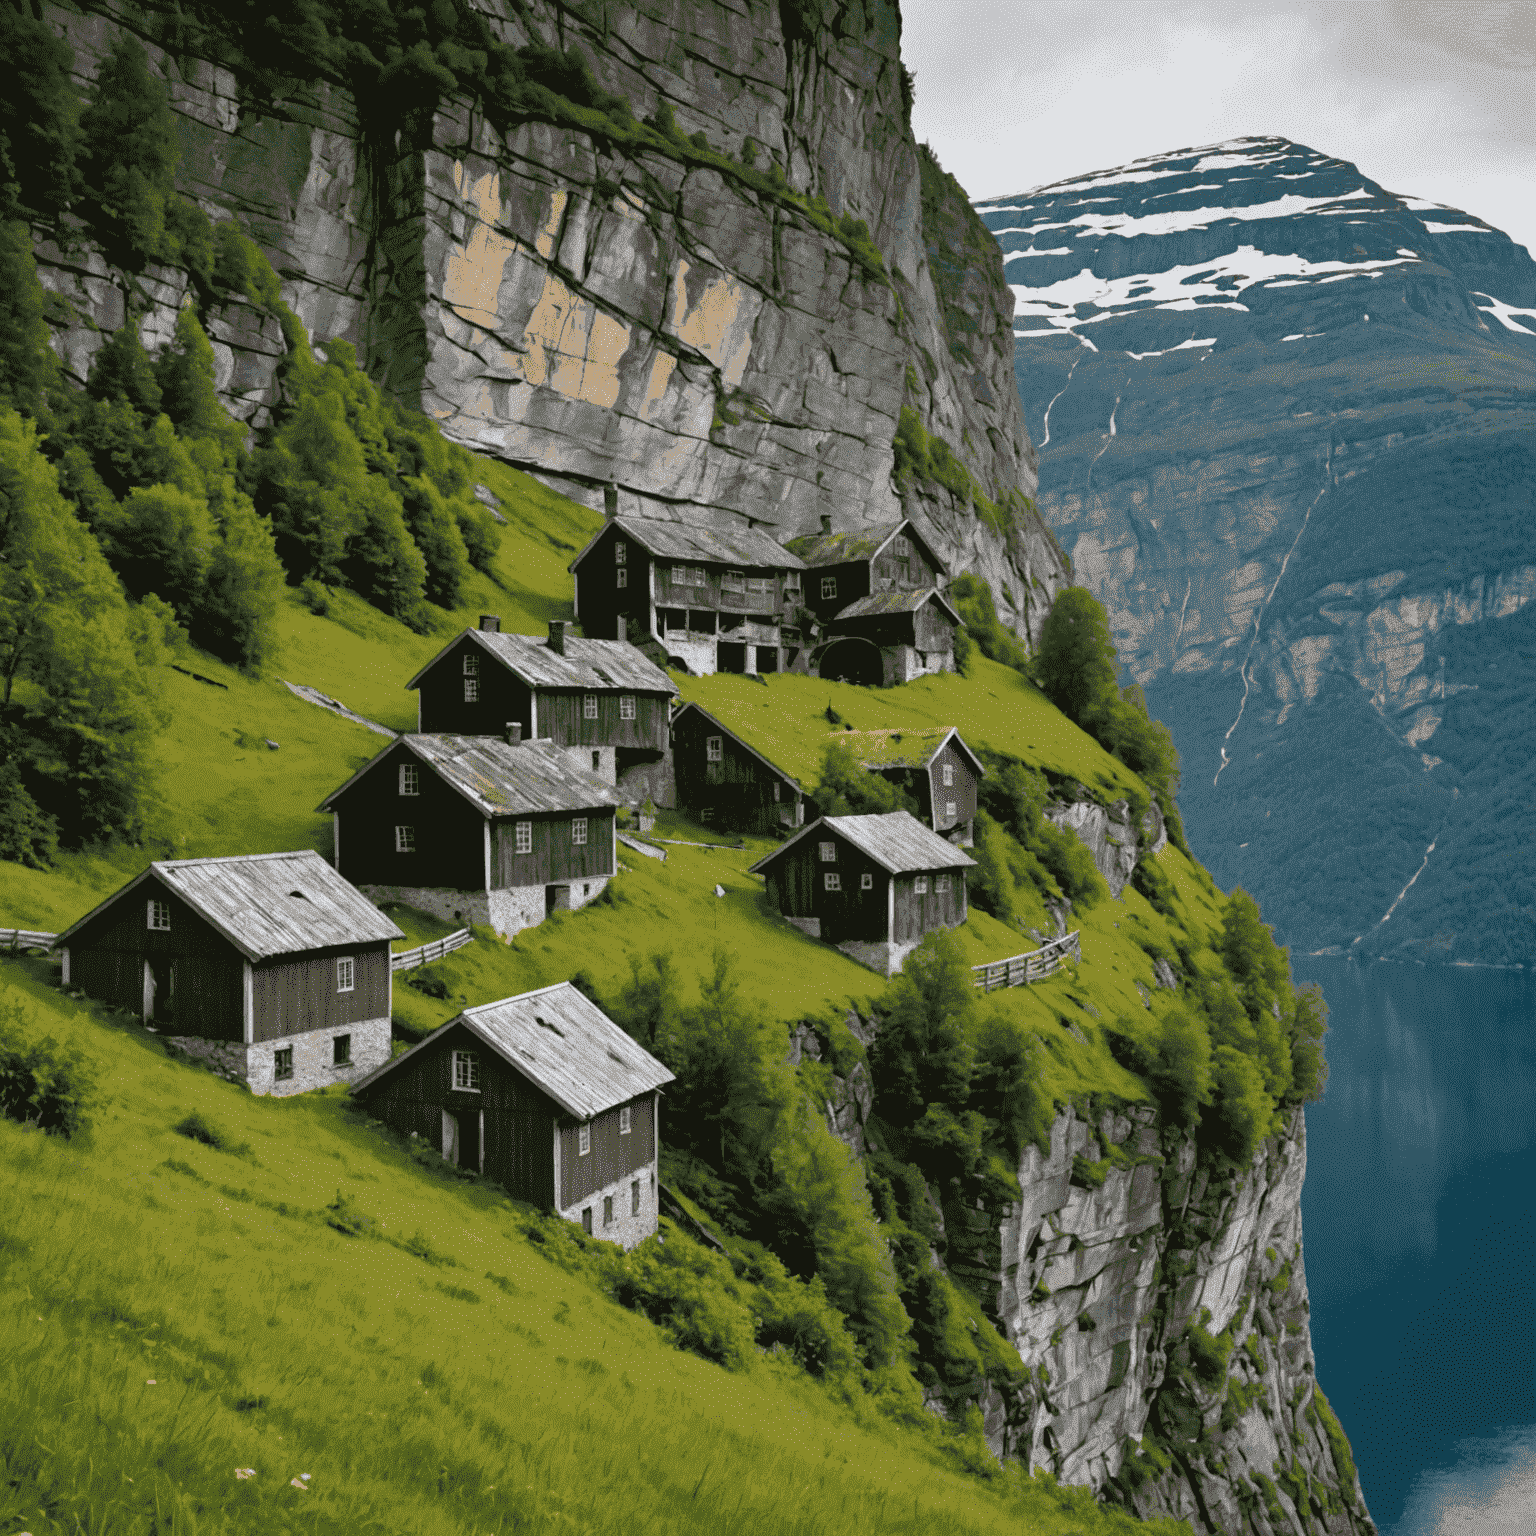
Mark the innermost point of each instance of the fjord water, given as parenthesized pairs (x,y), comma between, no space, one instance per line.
(1420,1222)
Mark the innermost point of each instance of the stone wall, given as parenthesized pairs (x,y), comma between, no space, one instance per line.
(313,1057)
(625,1229)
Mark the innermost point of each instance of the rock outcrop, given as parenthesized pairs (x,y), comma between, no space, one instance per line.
(1108,832)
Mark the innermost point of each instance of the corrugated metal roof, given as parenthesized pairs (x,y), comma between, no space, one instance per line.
(562,1042)
(897,841)
(694,541)
(591,665)
(851,544)
(499,779)
(895,602)
(268,904)
(745,745)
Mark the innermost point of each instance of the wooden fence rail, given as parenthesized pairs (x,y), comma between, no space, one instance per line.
(409,959)
(14,940)
(1020,970)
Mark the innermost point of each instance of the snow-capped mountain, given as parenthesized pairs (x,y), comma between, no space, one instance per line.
(1287,428)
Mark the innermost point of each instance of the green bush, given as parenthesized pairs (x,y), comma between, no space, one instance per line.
(973,601)
(847,788)
(1076,660)
(196,1127)
(42,1083)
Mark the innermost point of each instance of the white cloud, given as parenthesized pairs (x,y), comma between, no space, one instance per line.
(1491,1491)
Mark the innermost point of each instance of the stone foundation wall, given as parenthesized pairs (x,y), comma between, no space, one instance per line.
(508,911)
(313,1057)
(607,766)
(456,907)
(882,955)
(625,1229)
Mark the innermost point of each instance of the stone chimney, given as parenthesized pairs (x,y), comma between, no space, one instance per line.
(557,636)
(826,522)
(490,623)
(610,502)
(514,733)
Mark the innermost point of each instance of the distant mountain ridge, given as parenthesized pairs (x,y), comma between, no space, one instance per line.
(1287,429)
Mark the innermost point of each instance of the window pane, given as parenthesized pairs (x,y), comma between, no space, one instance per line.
(619,552)
(584,1139)
(471,690)
(345,973)
(866,882)
(589,707)
(714,748)
(410,779)
(471,664)
(828,853)
(920,885)
(621,578)
(829,586)
(832,882)
(405,839)
(626,707)
(525,837)
(579,830)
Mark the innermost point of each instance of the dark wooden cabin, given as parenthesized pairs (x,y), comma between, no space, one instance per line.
(544,1094)
(892,637)
(476,829)
(934,766)
(862,562)
(723,782)
(715,599)
(271,964)
(871,885)
(601,701)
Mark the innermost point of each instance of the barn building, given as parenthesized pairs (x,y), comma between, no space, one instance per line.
(871,885)
(723,782)
(715,600)
(270,964)
(934,766)
(476,828)
(602,702)
(544,1094)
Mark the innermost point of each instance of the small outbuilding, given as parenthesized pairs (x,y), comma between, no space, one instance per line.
(890,638)
(476,828)
(723,782)
(871,885)
(270,964)
(546,1095)
(934,766)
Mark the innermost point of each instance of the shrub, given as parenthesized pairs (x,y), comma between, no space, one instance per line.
(429,980)
(1309,1069)
(42,1083)
(847,788)
(197,1128)
(1244,1113)
(1208,1355)
(973,601)
(1076,659)
(28,835)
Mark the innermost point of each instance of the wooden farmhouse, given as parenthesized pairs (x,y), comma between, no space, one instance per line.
(723,782)
(715,600)
(269,964)
(600,701)
(934,766)
(871,885)
(476,828)
(544,1094)
(880,615)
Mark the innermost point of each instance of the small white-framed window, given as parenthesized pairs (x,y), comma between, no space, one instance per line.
(734,581)
(828,586)
(920,885)
(620,552)
(625,1115)
(589,707)
(466,1071)
(579,829)
(471,664)
(524,837)
(832,881)
(471,690)
(903,546)
(346,973)
(949,809)
(827,853)
(866,881)
(410,779)
(696,575)
(941,884)
(679,575)
(584,1138)
(621,576)
(714,748)
(158,915)
(626,706)
(949,774)
(282,1063)
(405,839)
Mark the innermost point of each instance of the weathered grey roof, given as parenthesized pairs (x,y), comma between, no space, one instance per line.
(746,746)
(895,602)
(857,544)
(498,779)
(897,841)
(694,541)
(905,747)
(267,904)
(591,665)
(563,1043)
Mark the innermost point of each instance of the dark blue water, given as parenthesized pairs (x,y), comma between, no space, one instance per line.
(1420,1223)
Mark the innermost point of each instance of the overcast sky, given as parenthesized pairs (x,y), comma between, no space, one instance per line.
(1431,97)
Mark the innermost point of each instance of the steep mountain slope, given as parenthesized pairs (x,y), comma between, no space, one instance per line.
(1286,426)
(724,308)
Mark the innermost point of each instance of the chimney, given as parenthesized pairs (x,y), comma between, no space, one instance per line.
(610,502)
(826,522)
(514,733)
(490,623)
(557,636)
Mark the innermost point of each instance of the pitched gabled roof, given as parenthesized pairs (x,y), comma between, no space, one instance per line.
(562,1042)
(896,602)
(746,746)
(592,665)
(498,779)
(905,747)
(858,544)
(694,541)
(266,904)
(897,841)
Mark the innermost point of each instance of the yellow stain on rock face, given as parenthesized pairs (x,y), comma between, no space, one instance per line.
(662,367)
(572,347)
(544,241)
(719,324)
(472,277)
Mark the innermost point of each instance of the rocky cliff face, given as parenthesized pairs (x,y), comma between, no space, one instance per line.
(1286,422)
(596,311)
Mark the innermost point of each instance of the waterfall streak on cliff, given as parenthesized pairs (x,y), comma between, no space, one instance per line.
(1109,437)
(1387,915)
(1258,618)
(1189,582)
(1057,396)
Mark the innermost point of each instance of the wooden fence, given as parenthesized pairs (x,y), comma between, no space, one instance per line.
(409,959)
(14,940)
(1020,970)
